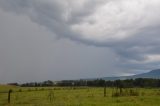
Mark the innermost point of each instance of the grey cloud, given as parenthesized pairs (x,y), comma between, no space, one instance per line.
(57,16)
(129,29)
(28,52)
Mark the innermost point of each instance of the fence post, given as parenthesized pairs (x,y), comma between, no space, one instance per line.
(9,95)
(105,89)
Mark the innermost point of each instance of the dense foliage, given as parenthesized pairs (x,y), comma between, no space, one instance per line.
(128,83)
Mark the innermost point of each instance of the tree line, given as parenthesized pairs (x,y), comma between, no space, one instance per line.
(127,83)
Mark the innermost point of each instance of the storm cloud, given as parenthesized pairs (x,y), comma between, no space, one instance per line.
(129,29)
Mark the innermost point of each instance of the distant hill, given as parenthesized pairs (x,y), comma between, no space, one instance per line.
(155,74)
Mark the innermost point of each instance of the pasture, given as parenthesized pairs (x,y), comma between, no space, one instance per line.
(77,96)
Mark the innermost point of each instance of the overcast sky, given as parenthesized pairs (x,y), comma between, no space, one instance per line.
(72,39)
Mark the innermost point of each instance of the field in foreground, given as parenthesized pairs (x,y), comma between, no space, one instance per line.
(77,96)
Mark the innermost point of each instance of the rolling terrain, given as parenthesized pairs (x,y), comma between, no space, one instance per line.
(155,74)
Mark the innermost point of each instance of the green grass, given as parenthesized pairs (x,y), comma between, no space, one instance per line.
(76,97)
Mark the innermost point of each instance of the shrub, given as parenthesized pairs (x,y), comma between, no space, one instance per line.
(20,90)
(126,92)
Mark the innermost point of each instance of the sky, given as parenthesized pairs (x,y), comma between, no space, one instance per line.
(73,39)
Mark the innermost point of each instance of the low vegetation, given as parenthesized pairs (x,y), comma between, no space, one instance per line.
(128,83)
(79,96)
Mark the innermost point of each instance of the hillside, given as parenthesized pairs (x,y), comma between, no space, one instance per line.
(152,74)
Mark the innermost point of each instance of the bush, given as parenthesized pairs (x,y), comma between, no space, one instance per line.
(125,92)
(20,90)
(133,92)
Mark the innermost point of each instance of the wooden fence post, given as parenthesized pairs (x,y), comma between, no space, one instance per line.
(105,89)
(9,95)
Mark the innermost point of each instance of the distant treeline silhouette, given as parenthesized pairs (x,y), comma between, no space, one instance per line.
(128,83)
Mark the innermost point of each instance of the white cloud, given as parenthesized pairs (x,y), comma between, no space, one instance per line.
(117,20)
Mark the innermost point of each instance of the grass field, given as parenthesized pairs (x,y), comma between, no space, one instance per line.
(77,96)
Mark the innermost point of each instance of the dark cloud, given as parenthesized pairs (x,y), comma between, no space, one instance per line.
(128,29)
